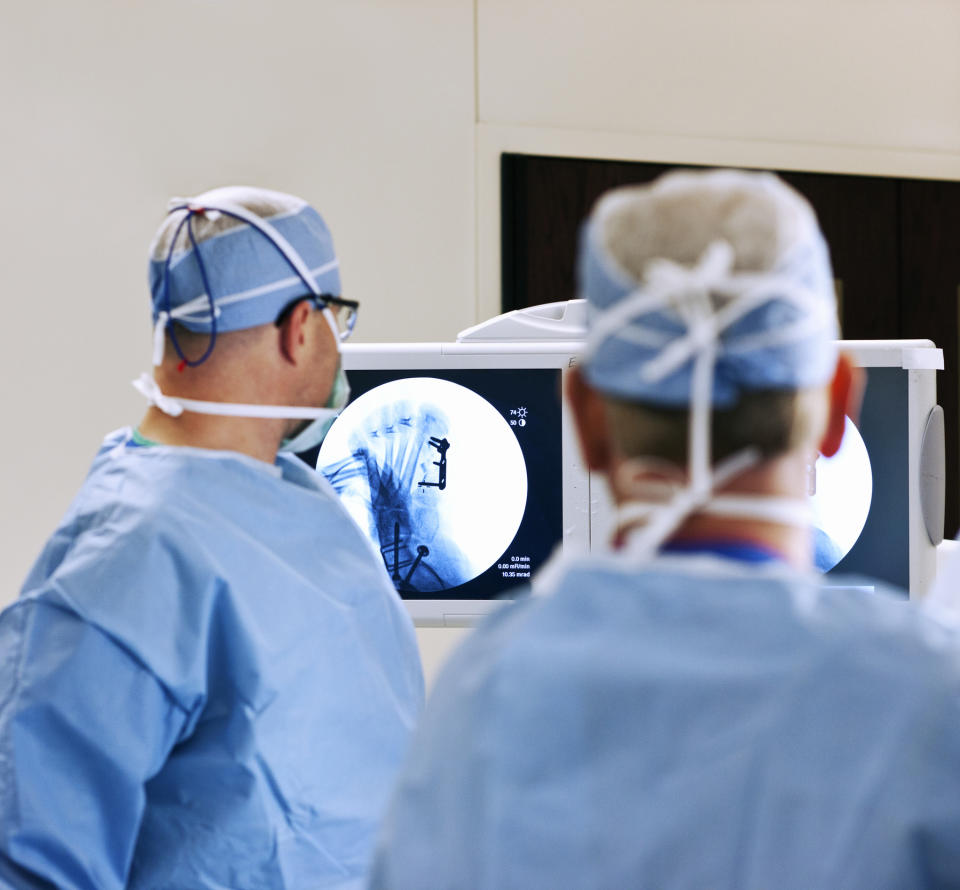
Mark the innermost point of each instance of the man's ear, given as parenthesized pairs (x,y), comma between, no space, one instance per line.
(846,394)
(590,419)
(293,332)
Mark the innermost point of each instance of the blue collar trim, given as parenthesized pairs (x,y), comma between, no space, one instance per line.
(745,552)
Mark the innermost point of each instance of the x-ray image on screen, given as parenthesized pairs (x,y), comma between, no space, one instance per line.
(841,489)
(435,476)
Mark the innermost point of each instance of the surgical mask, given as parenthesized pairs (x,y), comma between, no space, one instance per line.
(315,431)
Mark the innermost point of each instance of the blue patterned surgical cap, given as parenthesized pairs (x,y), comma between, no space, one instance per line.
(721,259)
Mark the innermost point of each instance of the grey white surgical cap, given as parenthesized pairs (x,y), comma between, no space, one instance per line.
(748,247)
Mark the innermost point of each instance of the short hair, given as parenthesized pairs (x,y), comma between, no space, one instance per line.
(772,422)
(263,202)
(679,216)
(193,344)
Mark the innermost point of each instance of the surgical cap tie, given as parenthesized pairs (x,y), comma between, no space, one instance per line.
(671,285)
(690,292)
(166,314)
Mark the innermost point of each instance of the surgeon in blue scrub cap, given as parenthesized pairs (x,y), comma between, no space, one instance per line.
(689,707)
(208,680)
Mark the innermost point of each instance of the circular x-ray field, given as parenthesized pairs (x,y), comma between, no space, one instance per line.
(843,491)
(434,475)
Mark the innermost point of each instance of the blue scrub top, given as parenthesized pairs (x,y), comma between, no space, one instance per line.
(695,722)
(208,681)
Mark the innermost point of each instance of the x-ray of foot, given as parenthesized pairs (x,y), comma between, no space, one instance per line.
(433,474)
(399,467)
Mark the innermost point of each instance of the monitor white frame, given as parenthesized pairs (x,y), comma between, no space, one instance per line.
(920,360)
(560,355)
(586,506)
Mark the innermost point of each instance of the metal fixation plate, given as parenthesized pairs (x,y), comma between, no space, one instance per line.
(932,475)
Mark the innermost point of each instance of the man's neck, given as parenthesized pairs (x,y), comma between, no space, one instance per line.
(256,437)
(790,543)
(782,477)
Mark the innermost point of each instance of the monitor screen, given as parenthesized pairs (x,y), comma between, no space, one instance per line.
(860,496)
(459,462)
(864,521)
(454,474)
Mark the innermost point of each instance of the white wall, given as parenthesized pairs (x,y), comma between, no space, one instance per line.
(364,107)
(375,111)
(843,86)
(833,72)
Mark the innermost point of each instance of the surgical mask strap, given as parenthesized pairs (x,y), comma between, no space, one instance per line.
(176,405)
(662,520)
(766,508)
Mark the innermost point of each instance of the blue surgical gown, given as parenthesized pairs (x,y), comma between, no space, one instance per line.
(208,681)
(695,723)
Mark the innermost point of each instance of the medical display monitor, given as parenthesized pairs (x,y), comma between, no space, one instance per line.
(459,463)
(851,514)
(878,504)
(454,474)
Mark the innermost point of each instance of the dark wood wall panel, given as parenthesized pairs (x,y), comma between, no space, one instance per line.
(858,215)
(894,243)
(929,291)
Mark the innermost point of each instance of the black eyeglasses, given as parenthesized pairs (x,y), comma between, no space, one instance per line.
(345,311)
